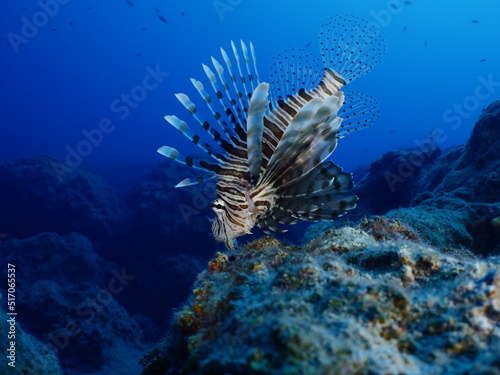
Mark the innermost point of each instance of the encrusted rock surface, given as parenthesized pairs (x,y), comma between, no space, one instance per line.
(348,303)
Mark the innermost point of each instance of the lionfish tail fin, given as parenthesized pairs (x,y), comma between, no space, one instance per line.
(351,46)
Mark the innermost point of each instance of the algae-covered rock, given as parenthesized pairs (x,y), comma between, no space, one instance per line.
(347,303)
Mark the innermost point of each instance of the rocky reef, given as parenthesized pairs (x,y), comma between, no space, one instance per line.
(67,298)
(415,291)
(348,302)
(450,198)
(411,290)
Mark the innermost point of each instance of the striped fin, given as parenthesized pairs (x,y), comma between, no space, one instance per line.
(195,138)
(307,141)
(197,180)
(351,46)
(255,126)
(323,178)
(242,77)
(254,62)
(278,120)
(189,161)
(240,110)
(247,58)
(333,207)
(322,194)
(208,101)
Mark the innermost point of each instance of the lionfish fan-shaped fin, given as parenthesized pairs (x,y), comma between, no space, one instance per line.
(351,45)
(324,178)
(255,126)
(306,142)
(233,111)
(334,206)
(282,114)
(195,138)
(225,144)
(188,161)
(196,180)
(358,112)
(208,101)
(293,69)
(268,223)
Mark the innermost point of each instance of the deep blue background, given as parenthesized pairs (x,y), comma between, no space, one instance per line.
(66,77)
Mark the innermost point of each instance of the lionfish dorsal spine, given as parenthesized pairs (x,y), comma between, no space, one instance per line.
(255,126)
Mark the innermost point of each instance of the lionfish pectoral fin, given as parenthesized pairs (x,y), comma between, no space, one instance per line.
(188,161)
(359,113)
(197,180)
(306,142)
(255,126)
(351,46)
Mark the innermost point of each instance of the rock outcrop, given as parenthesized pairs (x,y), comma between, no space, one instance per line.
(345,303)
(68,298)
(451,199)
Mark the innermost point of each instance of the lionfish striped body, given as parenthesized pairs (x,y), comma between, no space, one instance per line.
(270,158)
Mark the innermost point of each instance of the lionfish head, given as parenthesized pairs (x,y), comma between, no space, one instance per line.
(222,228)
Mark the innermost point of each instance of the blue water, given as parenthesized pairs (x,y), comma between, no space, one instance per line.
(90,81)
(85,55)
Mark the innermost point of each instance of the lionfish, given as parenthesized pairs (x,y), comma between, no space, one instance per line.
(270,155)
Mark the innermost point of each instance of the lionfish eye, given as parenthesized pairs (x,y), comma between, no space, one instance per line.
(218,205)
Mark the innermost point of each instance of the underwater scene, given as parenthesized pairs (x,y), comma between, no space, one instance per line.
(249,187)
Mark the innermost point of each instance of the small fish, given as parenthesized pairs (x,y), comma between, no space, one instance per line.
(144,28)
(392,131)
(408,2)
(54,29)
(130,3)
(71,23)
(475,21)
(157,10)
(308,44)
(425,44)
(183,14)
(404,29)
(483,60)
(162,19)
(269,155)
(138,54)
